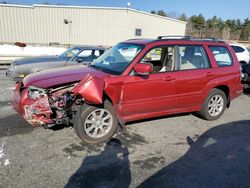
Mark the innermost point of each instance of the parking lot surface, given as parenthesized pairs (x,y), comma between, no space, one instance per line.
(172,151)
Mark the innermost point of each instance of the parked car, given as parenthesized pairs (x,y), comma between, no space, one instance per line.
(245,76)
(136,79)
(248,50)
(242,53)
(74,56)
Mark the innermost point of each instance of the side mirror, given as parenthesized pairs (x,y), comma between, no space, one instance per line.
(143,69)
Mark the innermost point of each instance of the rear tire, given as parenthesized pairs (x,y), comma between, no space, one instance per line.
(95,124)
(214,105)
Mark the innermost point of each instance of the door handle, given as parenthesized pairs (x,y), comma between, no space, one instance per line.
(169,79)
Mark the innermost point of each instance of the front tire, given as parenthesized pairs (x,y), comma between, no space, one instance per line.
(214,105)
(96,124)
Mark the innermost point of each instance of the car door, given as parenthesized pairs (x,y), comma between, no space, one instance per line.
(149,94)
(193,75)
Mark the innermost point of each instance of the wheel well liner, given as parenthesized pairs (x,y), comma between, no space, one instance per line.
(226,90)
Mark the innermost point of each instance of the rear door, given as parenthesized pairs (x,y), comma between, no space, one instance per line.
(192,76)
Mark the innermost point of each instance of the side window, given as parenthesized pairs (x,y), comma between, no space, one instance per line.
(86,55)
(238,49)
(192,57)
(222,56)
(98,53)
(161,59)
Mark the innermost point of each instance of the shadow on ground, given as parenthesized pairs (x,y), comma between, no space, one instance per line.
(219,158)
(108,169)
(13,124)
(247,92)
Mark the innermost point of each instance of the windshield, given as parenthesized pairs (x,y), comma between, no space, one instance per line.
(117,59)
(72,52)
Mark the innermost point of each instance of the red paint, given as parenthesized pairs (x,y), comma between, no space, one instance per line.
(137,97)
(143,68)
(90,89)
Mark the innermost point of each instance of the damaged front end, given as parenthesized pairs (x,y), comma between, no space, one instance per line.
(57,105)
(49,107)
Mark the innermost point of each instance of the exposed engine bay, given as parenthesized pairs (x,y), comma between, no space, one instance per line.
(50,106)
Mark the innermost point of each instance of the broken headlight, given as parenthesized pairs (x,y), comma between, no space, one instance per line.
(36,92)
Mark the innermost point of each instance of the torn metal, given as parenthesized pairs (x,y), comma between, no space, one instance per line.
(49,106)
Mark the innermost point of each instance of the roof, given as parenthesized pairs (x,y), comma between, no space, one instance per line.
(89,47)
(93,7)
(139,41)
(175,38)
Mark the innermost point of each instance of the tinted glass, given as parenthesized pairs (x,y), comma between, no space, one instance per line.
(222,56)
(192,57)
(117,59)
(160,59)
(238,49)
(70,53)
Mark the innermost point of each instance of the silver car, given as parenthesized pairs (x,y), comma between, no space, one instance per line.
(74,56)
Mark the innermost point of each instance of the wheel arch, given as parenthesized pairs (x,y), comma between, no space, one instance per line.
(226,90)
(242,62)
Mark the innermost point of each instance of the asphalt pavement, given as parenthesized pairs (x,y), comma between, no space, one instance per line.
(172,151)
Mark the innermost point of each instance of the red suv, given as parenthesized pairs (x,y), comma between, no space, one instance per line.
(136,79)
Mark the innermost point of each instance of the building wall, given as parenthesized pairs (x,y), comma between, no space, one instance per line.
(43,24)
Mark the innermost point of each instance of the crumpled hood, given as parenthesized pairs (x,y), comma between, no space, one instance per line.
(59,76)
(39,59)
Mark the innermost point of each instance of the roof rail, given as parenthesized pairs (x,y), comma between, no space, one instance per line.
(174,36)
(208,39)
(187,37)
(139,39)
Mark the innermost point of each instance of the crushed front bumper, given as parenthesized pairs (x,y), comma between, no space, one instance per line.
(35,112)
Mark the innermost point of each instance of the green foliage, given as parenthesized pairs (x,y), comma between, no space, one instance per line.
(153,12)
(215,27)
(162,13)
(215,23)
(245,31)
(198,22)
(183,17)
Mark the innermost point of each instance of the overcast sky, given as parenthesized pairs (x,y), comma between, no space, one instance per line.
(226,9)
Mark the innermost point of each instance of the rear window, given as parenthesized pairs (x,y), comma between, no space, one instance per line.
(222,56)
(238,49)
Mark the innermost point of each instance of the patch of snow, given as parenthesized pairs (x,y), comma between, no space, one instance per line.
(12,50)
(12,88)
(6,162)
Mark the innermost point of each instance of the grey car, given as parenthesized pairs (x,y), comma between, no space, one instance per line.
(74,56)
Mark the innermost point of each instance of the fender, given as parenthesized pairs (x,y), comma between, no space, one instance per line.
(90,89)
